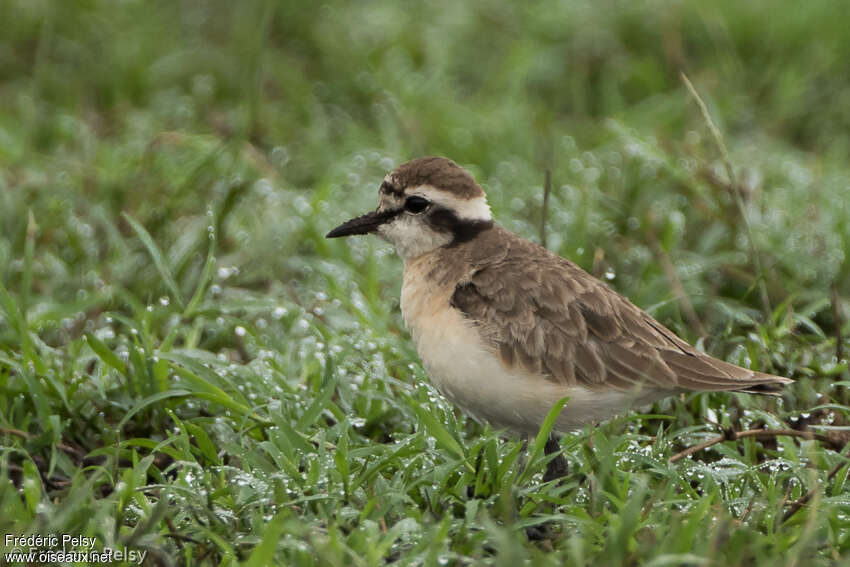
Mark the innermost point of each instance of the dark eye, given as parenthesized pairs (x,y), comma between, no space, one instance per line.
(416,204)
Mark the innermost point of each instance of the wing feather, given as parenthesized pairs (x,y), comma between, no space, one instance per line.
(571,327)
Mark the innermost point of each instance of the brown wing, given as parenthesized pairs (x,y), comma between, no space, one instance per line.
(545,314)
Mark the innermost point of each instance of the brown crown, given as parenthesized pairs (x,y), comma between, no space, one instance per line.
(438,172)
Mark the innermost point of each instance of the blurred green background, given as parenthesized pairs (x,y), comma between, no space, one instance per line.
(160,109)
(138,139)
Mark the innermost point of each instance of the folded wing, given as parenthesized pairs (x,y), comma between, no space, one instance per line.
(543,313)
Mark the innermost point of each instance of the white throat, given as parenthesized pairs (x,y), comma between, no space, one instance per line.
(411,237)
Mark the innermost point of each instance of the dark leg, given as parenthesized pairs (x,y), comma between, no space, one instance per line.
(557,467)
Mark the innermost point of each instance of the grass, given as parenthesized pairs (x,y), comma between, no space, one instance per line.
(188,368)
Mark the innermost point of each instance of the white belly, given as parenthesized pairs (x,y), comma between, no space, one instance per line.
(471,376)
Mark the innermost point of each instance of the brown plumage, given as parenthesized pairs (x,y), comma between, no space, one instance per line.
(505,328)
(547,315)
(437,172)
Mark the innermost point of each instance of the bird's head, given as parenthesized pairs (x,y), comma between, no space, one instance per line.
(424,204)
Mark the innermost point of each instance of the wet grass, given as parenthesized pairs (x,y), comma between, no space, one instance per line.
(188,368)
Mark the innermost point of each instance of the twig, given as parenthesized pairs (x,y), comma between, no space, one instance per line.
(676,283)
(27,435)
(804,499)
(544,212)
(730,171)
(747,511)
(177,537)
(598,259)
(839,339)
(17,432)
(731,435)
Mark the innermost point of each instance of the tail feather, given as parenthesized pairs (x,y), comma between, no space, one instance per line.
(698,371)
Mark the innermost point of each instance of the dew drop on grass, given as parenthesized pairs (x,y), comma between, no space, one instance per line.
(164,300)
(240,331)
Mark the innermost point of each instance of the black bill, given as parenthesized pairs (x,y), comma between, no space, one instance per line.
(364,224)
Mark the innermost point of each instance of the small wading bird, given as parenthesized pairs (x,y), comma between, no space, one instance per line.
(505,328)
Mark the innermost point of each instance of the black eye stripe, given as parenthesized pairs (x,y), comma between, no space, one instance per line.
(462,230)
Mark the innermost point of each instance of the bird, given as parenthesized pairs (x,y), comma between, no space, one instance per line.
(506,328)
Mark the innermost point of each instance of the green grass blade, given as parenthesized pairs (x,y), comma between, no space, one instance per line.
(263,554)
(206,375)
(105,354)
(542,436)
(205,390)
(152,399)
(318,406)
(19,323)
(206,273)
(29,250)
(158,259)
(438,431)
